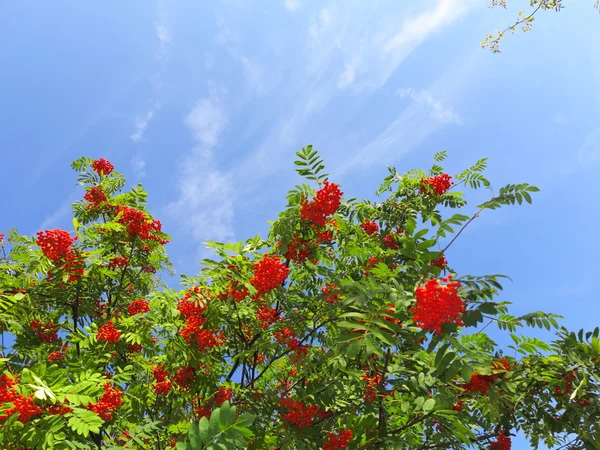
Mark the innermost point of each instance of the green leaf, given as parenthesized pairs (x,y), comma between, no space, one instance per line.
(204,430)
(428,405)
(194,436)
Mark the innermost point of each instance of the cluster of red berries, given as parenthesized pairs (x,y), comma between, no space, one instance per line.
(222,395)
(440,184)
(24,406)
(235,291)
(135,348)
(95,196)
(138,307)
(110,401)
(58,409)
(481,383)
(371,263)
(108,333)
(337,441)
(568,379)
(331,293)
(288,337)
(119,261)
(47,333)
(193,331)
(269,273)
(267,316)
(184,377)
(372,387)
(139,224)
(438,304)
(440,262)
(55,244)
(58,355)
(161,385)
(325,203)
(102,166)
(390,240)
(370,227)
(1,238)
(298,250)
(299,413)
(502,443)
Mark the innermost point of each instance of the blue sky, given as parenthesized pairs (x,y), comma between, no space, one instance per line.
(205,103)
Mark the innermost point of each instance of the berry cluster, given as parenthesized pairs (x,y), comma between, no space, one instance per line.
(193,330)
(288,337)
(503,442)
(119,261)
(481,383)
(370,392)
(331,293)
(110,401)
(325,203)
(390,240)
(108,333)
(24,406)
(138,307)
(95,196)
(222,395)
(438,304)
(298,250)
(102,166)
(1,238)
(269,273)
(267,316)
(55,244)
(440,184)
(440,262)
(337,441)
(299,413)
(58,409)
(134,348)
(184,377)
(139,224)
(369,227)
(47,333)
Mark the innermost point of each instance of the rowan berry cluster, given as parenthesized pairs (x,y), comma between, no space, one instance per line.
(138,307)
(102,167)
(390,240)
(95,196)
(184,377)
(46,333)
(331,293)
(108,333)
(194,330)
(337,441)
(267,316)
(139,224)
(298,413)
(369,227)
(372,387)
(325,203)
(438,304)
(55,244)
(440,262)
(269,273)
(110,401)
(58,409)
(440,184)
(503,442)
(24,406)
(288,337)
(481,383)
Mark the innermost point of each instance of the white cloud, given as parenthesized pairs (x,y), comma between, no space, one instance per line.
(138,164)
(321,23)
(590,150)
(292,5)
(141,123)
(206,120)
(59,218)
(206,195)
(416,29)
(165,38)
(439,111)
(347,77)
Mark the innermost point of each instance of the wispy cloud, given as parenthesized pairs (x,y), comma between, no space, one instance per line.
(164,36)
(138,165)
(292,5)
(347,77)
(439,111)
(141,123)
(206,195)
(590,150)
(59,218)
(321,22)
